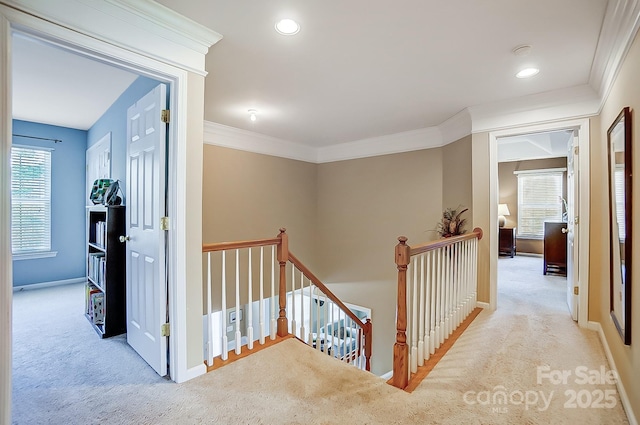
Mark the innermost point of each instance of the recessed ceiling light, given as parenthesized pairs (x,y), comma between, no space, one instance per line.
(527,72)
(253,114)
(287,27)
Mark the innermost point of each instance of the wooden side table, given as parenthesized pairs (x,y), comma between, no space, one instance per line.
(507,241)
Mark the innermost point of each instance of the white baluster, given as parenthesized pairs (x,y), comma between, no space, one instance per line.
(209,314)
(293,323)
(238,332)
(303,332)
(261,308)
(414,318)
(310,340)
(225,339)
(427,305)
(327,336)
(421,315)
(443,295)
(434,284)
(250,304)
(272,328)
(438,290)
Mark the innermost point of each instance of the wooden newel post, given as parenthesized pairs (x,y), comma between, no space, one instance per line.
(400,348)
(368,341)
(283,257)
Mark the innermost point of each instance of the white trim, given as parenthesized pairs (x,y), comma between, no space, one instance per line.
(194,372)
(620,24)
(141,26)
(34,255)
(582,126)
(387,376)
(50,284)
(6,265)
(235,138)
(624,398)
(407,141)
(540,171)
(483,305)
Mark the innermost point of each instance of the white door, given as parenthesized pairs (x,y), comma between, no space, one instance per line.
(573,174)
(145,200)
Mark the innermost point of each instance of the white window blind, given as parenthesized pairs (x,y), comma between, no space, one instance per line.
(30,200)
(539,200)
(619,184)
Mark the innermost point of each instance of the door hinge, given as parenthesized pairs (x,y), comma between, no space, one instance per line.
(576,220)
(164,330)
(576,290)
(164,223)
(576,150)
(165,116)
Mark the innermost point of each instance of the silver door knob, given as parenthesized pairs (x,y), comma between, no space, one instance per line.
(565,230)
(123,239)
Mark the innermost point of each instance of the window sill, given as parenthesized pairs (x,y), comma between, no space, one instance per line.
(34,255)
(530,238)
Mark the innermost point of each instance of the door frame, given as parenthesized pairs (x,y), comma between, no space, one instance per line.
(582,210)
(115,33)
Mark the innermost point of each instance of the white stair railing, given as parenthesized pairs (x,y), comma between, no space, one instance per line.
(437,290)
(298,304)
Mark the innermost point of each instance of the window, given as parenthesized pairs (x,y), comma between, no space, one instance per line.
(30,200)
(539,200)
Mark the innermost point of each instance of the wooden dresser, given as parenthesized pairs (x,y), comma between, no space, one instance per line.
(507,241)
(555,248)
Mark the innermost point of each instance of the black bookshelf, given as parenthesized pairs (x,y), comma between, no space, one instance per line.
(105,290)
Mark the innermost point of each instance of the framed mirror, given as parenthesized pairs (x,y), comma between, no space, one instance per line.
(619,148)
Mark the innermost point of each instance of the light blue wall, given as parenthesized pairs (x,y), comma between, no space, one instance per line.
(67,204)
(115,121)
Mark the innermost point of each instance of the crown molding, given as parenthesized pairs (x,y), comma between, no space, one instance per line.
(573,102)
(235,138)
(619,27)
(456,127)
(141,26)
(406,141)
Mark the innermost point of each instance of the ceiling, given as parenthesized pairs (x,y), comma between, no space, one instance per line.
(356,70)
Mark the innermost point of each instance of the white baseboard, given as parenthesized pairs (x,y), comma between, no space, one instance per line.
(49,284)
(387,375)
(485,306)
(626,405)
(191,373)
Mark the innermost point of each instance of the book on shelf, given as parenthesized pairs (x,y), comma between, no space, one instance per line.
(97,308)
(101,233)
(97,267)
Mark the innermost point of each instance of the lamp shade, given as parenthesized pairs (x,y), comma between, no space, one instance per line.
(503,209)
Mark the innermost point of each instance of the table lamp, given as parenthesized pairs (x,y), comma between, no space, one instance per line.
(503,210)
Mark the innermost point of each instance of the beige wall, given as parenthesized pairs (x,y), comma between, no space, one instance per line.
(625,92)
(481,210)
(250,196)
(456,177)
(363,206)
(508,193)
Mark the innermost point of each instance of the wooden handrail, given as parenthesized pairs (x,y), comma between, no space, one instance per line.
(367,327)
(440,243)
(223,246)
(305,271)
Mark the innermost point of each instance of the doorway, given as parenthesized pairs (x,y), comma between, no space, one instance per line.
(68,196)
(578,131)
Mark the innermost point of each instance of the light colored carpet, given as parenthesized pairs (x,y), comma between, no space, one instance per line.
(63,374)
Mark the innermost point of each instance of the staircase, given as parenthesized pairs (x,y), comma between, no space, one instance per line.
(259,293)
